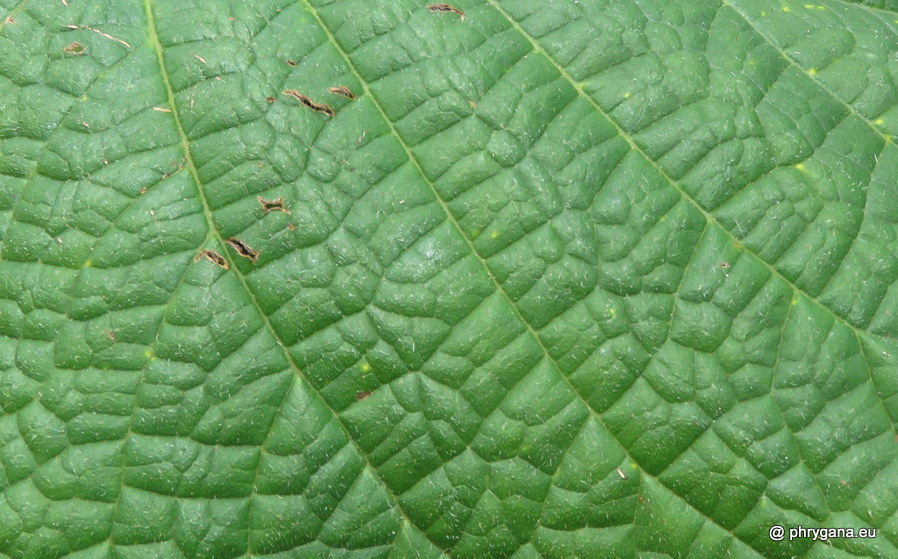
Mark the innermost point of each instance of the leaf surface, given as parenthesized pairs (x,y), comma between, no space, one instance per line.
(371,279)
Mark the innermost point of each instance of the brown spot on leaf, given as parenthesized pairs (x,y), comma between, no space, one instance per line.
(362,395)
(343,91)
(75,48)
(243,249)
(320,107)
(446,8)
(270,99)
(177,168)
(213,257)
(292,63)
(272,205)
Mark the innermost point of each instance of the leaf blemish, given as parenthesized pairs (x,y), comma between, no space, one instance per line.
(292,63)
(177,167)
(75,48)
(272,205)
(213,257)
(243,249)
(307,101)
(362,395)
(446,8)
(342,91)
(100,33)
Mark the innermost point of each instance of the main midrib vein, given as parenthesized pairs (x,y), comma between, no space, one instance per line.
(184,141)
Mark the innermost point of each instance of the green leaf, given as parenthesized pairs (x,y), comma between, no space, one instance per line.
(556,279)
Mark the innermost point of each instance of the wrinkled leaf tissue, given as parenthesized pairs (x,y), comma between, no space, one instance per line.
(496,278)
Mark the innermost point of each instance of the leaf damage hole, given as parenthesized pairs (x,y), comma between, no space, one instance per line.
(272,205)
(319,107)
(75,48)
(270,99)
(213,257)
(243,249)
(446,8)
(343,91)
(292,63)
(362,395)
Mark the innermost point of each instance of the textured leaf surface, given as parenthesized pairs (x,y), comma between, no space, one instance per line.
(566,279)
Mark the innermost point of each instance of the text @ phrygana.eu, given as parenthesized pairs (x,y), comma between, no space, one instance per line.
(778,533)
